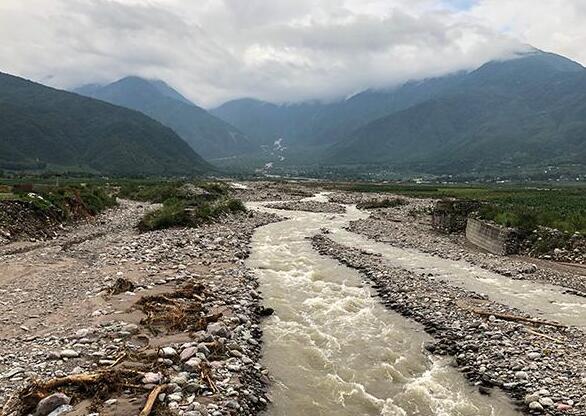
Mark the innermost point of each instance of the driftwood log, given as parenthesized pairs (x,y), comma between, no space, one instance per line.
(151,399)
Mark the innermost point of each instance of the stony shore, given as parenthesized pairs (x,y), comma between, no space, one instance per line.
(121,316)
(541,366)
(309,206)
(409,226)
(104,311)
(271,191)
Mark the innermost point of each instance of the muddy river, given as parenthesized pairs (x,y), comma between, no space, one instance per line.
(333,349)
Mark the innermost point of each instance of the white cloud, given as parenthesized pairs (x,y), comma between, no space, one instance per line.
(280,50)
(553,25)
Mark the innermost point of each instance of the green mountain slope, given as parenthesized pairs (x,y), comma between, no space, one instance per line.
(510,114)
(207,135)
(42,126)
(526,111)
(315,123)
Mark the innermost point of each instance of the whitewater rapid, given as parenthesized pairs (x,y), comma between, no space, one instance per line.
(333,349)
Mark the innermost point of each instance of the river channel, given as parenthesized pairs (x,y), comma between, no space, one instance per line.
(333,349)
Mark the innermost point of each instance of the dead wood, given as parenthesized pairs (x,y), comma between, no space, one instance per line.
(148,407)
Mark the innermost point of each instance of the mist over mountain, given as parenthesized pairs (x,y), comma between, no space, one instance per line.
(45,128)
(207,135)
(520,112)
(527,111)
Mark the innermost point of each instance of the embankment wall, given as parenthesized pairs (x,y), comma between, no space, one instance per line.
(491,237)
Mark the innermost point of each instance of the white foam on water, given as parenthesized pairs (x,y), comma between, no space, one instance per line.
(333,349)
(536,298)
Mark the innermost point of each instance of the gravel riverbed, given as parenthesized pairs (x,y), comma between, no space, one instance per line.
(409,226)
(540,366)
(309,206)
(183,326)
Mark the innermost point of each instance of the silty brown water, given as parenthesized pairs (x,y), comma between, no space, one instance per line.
(333,349)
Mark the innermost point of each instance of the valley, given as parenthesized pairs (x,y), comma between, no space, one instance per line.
(303,303)
(292,208)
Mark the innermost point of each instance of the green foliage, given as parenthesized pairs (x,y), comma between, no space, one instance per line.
(208,135)
(152,192)
(159,192)
(185,204)
(44,128)
(512,116)
(69,202)
(173,213)
(526,208)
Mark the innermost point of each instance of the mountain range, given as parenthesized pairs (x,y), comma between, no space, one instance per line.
(523,112)
(209,136)
(46,128)
(514,115)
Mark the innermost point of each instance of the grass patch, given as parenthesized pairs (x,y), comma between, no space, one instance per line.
(184,204)
(67,202)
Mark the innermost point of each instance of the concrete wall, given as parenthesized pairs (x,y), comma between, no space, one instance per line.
(449,216)
(492,238)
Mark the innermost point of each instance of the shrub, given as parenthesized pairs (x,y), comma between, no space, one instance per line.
(181,213)
(71,202)
(172,214)
(156,193)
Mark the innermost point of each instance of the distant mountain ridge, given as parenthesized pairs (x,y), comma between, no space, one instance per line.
(526,111)
(42,127)
(530,110)
(209,136)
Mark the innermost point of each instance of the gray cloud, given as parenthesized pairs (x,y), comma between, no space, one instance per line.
(280,50)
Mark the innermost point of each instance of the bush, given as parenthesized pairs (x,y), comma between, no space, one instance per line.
(181,213)
(172,214)
(71,202)
(156,193)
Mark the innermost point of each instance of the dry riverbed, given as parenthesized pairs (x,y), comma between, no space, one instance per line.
(104,319)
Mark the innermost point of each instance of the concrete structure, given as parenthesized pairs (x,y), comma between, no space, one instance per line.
(450,215)
(492,237)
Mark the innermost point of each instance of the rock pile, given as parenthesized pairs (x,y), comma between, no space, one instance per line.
(271,191)
(310,206)
(23,220)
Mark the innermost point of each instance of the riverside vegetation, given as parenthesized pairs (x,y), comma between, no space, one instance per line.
(184,204)
(548,218)
(39,210)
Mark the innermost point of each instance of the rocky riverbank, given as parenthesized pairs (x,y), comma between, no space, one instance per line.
(309,206)
(409,226)
(270,191)
(103,321)
(539,364)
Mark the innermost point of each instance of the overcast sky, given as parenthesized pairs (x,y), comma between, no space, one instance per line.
(278,50)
